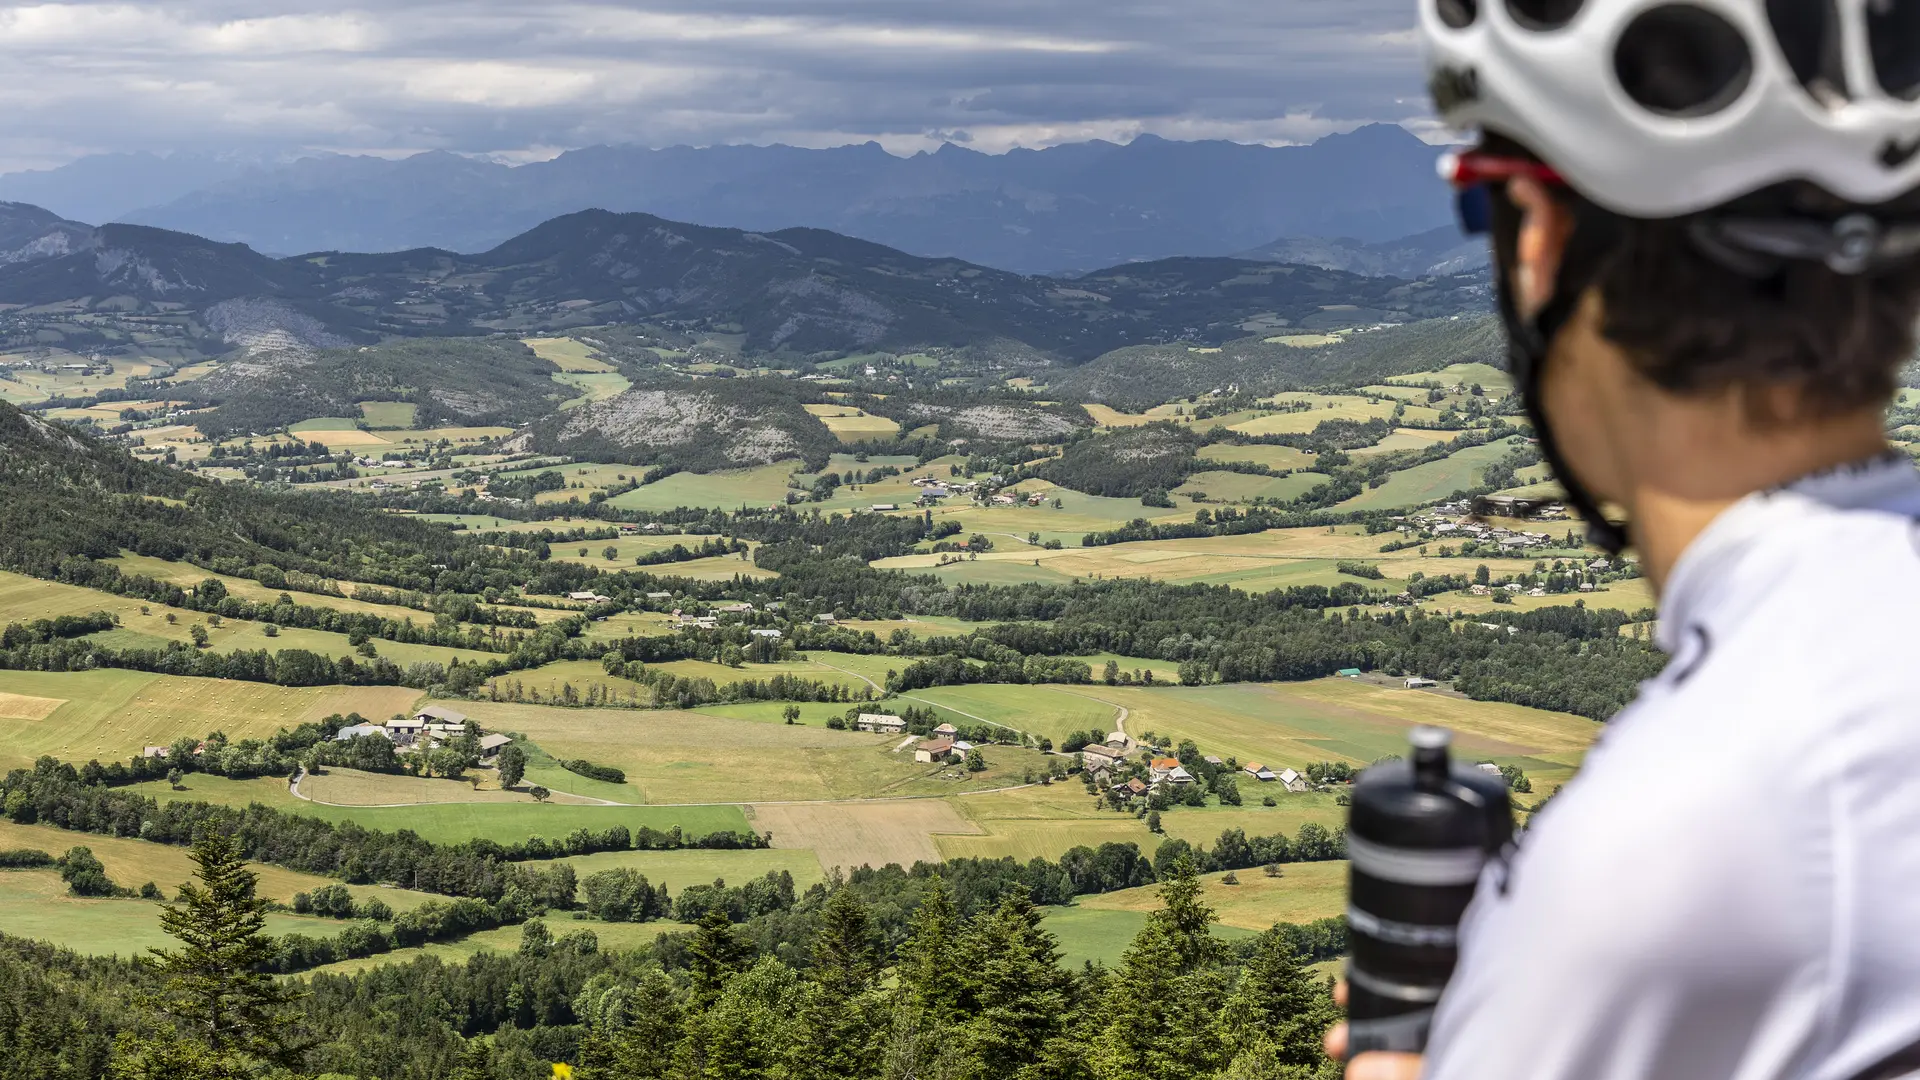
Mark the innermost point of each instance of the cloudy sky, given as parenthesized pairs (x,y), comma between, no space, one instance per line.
(524,79)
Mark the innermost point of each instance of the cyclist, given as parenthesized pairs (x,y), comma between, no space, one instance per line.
(1707,243)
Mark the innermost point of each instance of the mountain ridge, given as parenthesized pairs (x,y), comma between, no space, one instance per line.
(1072,207)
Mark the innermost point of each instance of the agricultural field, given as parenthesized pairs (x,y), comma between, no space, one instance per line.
(388,415)
(1302,893)
(187,575)
(674,757)
(852,425)
(1489,377)
(1045,711)
(568,354)
(36,904)
(1273,457)
(1430,482)
(336,433)
(1047,820)
(765,485)
(850,835)
(454,822)
(1407,439)
(593,386)
(1101,935)
(1295,724)
(108,714)
(1232,487)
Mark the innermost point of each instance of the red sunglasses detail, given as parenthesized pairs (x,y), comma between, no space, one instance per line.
(1474,168)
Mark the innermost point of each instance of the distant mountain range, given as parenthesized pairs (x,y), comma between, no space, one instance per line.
(1073,207)
(796,291)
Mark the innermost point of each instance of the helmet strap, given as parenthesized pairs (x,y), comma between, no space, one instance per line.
(1529,341)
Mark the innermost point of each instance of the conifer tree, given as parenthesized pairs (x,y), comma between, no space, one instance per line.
(1273,1021)
(227,1013)
(841,1036)
(1020,1000)
(714,953)
(1155,1021)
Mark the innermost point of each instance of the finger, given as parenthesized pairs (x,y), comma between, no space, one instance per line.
(1378,1066)
(1336,1041)
(1340,993)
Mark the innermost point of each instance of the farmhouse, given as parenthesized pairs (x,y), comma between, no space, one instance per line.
(154,751)
(880,722)
(1418,683)
(768,633)
(348,734)
(1258,771)
(946,730)
(493,744)
(1118,739)
(827,620)
(735,609)
(404,729)
(589,597)
(933,750)
(1291,780)
(1098,756)
(1214,761)
(440,714)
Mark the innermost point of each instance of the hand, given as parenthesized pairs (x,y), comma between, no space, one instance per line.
(1374,1066)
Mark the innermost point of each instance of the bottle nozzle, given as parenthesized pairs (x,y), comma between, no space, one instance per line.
(1431,764)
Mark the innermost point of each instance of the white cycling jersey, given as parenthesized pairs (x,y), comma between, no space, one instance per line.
(1731,886)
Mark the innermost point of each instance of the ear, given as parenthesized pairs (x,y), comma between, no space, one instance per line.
(1545,226)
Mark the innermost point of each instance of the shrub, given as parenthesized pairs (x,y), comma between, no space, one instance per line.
(25,859)
(588,769)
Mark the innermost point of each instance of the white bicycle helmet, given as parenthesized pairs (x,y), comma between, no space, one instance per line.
(1658,109)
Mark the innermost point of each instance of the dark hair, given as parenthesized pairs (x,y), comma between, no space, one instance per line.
(1690,323)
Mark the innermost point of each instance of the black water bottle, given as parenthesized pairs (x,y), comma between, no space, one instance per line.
(1418,834)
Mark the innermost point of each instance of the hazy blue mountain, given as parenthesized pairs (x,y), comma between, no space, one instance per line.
(794,291)
(1067,208)
(1437,251)
(105,187)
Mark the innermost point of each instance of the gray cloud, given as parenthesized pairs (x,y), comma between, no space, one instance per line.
(526,79)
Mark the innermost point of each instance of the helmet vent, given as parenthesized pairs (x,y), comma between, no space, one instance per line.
(1682,61)
(1810,38)
(1543,14)
(1893,35)
(1458,14)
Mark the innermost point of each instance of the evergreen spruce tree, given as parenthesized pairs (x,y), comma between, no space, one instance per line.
(1273,1021)
(1020,994)
(1156,1018)
(933,983)
(714,953)
(749,1032)
(841,1036)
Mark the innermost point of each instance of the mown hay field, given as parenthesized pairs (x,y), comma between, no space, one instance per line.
(1430,482)
(454,822)
(762,486)
(1232,487)
(1101,935)
(851,835)
(36,904)
(1037,709)
(851,425)
(679,869)
(567,354)
(388,415)
(109,714)
(1295,724)
(1489,377)
(1274,457)
(1302,893)
(1046,821)
(684,757)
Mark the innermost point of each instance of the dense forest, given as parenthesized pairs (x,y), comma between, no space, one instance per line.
(882,975)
